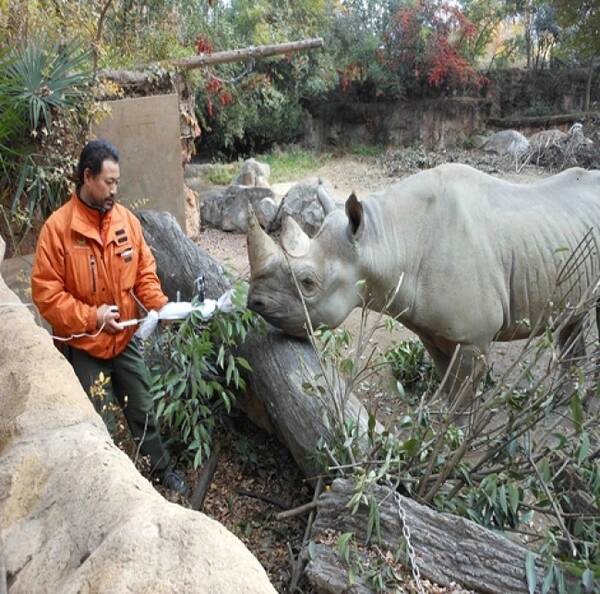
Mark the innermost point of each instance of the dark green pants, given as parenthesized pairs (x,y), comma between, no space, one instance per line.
(126,384)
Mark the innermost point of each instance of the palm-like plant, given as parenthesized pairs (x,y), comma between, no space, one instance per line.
(36,83)
(41,77)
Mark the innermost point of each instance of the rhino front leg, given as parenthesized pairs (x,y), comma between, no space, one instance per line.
(461,368)
(467,368)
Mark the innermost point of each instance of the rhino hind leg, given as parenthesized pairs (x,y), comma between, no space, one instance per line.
(571,343)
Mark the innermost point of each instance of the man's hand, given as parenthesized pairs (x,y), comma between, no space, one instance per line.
(109,316)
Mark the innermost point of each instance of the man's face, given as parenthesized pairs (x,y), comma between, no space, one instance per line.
(100,190)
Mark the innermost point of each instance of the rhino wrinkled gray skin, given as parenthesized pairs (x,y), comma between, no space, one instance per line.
(472,259)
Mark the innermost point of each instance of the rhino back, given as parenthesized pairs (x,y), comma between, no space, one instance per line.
(478,254)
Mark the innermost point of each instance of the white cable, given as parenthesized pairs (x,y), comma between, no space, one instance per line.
(16,304)
(61,338)
(82,334)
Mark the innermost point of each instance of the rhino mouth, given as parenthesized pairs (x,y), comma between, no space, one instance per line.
(271,311)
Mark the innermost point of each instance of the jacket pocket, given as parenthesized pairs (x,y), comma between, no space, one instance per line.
(126,264)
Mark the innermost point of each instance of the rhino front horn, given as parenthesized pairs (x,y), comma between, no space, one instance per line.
(261,248)
(293,239)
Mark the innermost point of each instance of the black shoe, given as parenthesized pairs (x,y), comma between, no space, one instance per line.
(175,482)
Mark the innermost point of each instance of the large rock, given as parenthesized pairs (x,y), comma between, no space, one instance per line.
(225,208)
(302,204)
(254,174)
(507,142)
(75,515)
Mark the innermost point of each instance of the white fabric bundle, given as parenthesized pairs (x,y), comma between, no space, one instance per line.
(180,310)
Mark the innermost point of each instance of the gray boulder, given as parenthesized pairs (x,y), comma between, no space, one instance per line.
(225,208)
(302,203)
(254,174)
(266,211)
(506,142)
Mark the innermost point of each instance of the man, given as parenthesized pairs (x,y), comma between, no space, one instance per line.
(91,268)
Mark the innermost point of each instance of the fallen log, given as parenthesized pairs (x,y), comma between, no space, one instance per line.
(447,548)
(280,364)
(248,53)
(543,121)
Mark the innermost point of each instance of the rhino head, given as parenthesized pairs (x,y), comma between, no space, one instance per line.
(320,274)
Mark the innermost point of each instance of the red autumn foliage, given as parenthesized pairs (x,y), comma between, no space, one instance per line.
(213,86)
(216,90)
(430,41)
(204,46)
(225,98)
(447,66)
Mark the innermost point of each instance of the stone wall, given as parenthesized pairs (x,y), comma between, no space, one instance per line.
(434,123)
(354,118)
(518,92)
(75,515)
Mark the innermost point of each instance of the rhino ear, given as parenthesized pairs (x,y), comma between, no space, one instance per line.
(354,212)
(293,239)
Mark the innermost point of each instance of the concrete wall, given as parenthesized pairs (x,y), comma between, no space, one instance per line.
(146,131)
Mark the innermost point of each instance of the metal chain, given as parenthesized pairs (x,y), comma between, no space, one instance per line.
(250,65)
(406,533)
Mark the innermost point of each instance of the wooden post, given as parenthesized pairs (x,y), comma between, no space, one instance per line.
(246,53)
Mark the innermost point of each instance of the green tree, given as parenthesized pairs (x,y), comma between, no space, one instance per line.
(581,24)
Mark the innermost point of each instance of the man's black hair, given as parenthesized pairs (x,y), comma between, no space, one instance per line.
(93,155)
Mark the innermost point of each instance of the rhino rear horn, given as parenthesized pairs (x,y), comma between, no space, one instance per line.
(354,212)
(325,199)
(261,248)
(294,241)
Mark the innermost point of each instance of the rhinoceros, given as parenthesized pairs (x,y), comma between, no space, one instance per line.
(461,257)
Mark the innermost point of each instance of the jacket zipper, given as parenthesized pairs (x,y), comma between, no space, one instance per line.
(93,269)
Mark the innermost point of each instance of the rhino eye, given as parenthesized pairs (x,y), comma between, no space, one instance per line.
(308,283)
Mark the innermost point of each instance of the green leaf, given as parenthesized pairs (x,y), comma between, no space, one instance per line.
(513,496)
(587,579)
(411,446)
(160,408)
(312,552)
(198,459)
(577,412)
(373,519)
(243,363)
(584,448)
(502,499)
(343,545)
(548,580)
(530,572)
(400,389)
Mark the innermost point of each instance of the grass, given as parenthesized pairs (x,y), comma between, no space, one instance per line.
(287,165)
(292,163)
(367,150)
(223,174)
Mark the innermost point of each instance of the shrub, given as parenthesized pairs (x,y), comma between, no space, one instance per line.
(196,375)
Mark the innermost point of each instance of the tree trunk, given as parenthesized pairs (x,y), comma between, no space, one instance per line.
(588,84)
(280,364)
(447,548)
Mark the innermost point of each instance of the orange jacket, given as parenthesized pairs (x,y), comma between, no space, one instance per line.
(83,260)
